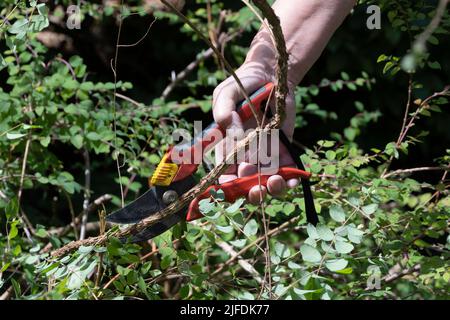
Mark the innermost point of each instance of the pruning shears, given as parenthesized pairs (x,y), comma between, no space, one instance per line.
(170,179)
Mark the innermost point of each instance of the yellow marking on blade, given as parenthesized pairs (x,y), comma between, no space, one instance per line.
(164,173)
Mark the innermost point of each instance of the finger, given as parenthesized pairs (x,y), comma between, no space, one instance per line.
(246,169)
(227,177)
(225,97)
(222,109)
(276,185)
(228,94)
(292,183)
(227,145)
(256,193)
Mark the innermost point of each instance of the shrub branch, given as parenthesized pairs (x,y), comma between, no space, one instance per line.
(275,123)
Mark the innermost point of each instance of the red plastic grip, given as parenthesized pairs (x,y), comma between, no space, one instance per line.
(260,95)
(240,187)
(207,138)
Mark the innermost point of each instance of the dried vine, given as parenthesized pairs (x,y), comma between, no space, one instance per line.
(280,96)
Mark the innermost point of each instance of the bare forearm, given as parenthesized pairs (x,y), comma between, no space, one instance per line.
(307,27)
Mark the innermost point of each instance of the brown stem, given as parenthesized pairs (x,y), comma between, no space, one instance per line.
(412,170)
(218,54)
(87,193)
(275,123)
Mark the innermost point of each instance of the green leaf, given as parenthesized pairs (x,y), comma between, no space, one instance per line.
(235,206)
(251,228)
(434,65)
(77,141)
(225,229)
(41,233)
(288,208)
(325,233)
(345,76)
(13,136)
(352,86)
(219,195)
(154,159)
(369,209)
(281,250)
(70,84)
(391,149)
(93,136)
(336,264)
(20,26)
(87,86)
(45,141)
(16,287)
(337,213)
(354,234)
(85,249)
(382,58)
(3,63)
(13,231)
(206,206)
(310,254)
(76,280)
(312,232)
(239,243)
(345,271)
(165,262)
(350,133)
(330,155)
(344,247)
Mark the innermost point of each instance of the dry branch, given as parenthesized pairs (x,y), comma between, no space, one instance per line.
(282,57)
(412,170)
(275,123)
(218,54)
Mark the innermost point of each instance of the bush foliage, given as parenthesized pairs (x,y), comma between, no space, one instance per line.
(68,136)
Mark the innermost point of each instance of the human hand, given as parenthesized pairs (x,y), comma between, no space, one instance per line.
(253,75)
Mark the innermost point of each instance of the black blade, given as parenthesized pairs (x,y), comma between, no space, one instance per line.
(159,227)
(149,203)
(137,210)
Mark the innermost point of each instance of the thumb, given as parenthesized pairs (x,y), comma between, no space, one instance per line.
(224,103)
(234,133)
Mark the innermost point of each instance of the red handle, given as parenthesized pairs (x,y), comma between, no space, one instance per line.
(240,187)
(210,136)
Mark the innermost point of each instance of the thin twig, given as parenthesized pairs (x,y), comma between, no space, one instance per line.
(87,193)
(7,294)
(141,39)
(275,123)
(434,24)
(281,57)
(222,40)
(186,71)
(399,274)
(219,55)
(243,263)
(272,232)
(27,225)
(422,106)
(412,170)
(114,69)
(72,214)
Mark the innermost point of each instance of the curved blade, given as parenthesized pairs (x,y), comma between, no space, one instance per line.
(149,203)
(138,209)
(159,227)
